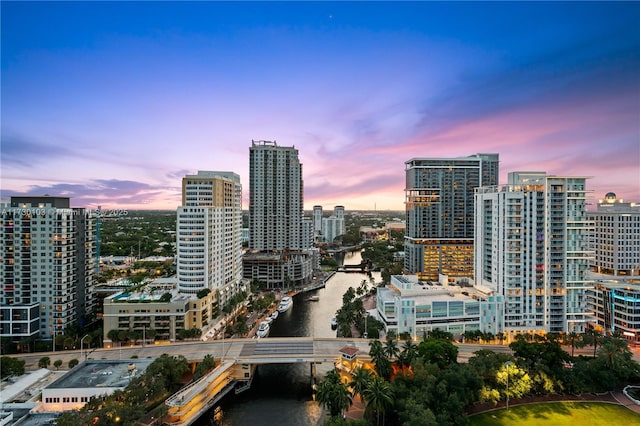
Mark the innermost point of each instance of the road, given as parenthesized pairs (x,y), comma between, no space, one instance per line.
(230,348)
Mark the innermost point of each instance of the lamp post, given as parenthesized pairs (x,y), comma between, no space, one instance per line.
(366,317)
(507,365)
(81,345)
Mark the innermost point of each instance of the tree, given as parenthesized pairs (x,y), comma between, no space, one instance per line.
(519,381)
(73,362)
(592,337)
(408,354)
(438,351)
(379,358)
(44,362)
(11,366)
(379,396)
(57,364)
(332,394)
(574,340)
(391,348)
(360,380)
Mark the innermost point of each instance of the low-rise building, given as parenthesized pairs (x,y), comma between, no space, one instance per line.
(408,305)
(90,379)
(157,313)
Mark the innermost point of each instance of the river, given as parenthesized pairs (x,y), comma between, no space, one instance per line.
(281,393)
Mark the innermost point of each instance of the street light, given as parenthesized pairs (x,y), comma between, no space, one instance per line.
(507,364)
(366,317)
(81,345)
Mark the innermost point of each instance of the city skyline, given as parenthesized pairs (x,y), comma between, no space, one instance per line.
(112,103)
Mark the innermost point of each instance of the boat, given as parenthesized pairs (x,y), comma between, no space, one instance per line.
(313,298)
(263,330)
(268,320)
(274,315)
(334,323)
(285,304)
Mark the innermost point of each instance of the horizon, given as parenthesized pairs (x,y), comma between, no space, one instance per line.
(113,103)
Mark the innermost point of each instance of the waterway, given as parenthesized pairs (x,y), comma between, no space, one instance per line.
(281,393)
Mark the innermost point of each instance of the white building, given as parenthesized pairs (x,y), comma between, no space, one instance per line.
(209,234)
(317,219)
(280,239)
(409,305)
(616,237)
(275,197)
(531,249)
(46,266)
(333,226)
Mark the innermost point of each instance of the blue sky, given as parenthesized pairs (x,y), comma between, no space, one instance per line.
(112,103)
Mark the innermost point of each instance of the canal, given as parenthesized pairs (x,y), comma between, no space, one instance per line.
(281,393)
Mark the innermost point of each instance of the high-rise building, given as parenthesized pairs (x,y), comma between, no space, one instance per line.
(333,226)
(209,235)
(616,237)
(279,238)
(531,248)
(276,203)
(440,213)
(46,265)
(317,219)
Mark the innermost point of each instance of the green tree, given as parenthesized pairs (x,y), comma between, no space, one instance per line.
(44,362)
(379,396)
(438,351)
(73,362)
(11,366)
(360,380)
(518,380)
(57,364)
(391,348)
(332,394)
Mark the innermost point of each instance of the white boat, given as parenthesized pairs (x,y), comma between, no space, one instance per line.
(285,304)
(313,298)
(268,320)
(274,315)
(263,330)
(334,322)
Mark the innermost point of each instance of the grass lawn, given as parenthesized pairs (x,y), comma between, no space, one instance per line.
(559,414)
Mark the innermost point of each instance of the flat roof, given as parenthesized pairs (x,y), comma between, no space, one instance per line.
(102,373)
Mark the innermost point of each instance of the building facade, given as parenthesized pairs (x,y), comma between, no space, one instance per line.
(209,234)
(440,213)
(280,239)
(616,237)
(333,226)
(416,307)
(531,249)
(46,265)
(614,303)
(276,204)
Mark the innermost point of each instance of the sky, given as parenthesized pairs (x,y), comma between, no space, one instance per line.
(113,103)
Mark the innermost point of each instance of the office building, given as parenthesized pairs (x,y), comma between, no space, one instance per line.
(333,226)
(616,237)
(209,235)
(440,213)
(531,249)
(613,302)
(46,265)
(317,219)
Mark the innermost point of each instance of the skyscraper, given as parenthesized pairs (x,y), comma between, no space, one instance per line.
(317,219)
(209,234)
(276,203)
(46,266)
(532,249)
(440,213)
(278,240)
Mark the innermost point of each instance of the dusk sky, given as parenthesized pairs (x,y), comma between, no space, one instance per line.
(112,103)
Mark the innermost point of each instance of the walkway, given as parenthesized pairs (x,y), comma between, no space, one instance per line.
(624,400)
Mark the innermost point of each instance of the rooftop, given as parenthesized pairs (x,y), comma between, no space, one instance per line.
(102,373)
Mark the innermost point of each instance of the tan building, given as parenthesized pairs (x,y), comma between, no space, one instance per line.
(158,313)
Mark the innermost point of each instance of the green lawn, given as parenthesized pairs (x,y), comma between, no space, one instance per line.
(559,414)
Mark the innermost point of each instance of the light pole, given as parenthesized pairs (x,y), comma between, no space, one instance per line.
(507,365)
(366,317)
(81,345)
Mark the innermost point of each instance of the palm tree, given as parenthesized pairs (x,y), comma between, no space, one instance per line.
(332,394)
(360,380)
(391,348)
(379,358)
(408,354)
(592,337)
(575,340)
(378,396)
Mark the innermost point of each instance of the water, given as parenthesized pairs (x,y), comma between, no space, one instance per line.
(281,393)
